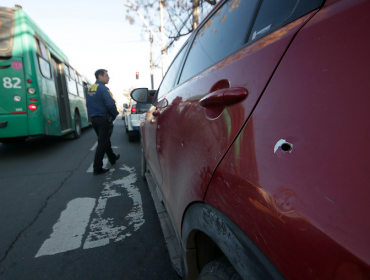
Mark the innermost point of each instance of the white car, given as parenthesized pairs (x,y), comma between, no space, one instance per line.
(133,116)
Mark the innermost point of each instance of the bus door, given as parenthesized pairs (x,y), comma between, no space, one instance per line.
(86,89)
(62,94)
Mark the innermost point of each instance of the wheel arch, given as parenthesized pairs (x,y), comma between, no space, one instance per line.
(205,227)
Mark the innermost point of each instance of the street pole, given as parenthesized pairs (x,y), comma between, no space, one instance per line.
(163,41)
(195,13)
(151,59)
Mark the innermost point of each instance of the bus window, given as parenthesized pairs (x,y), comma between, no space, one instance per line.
(44,53)
(6,34)
(66,70)
(79,86)
(71,73)
(72,87)
(44,63)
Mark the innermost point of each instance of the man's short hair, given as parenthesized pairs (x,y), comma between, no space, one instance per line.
(99,72)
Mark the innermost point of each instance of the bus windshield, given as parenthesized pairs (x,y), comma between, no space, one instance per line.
(6,33)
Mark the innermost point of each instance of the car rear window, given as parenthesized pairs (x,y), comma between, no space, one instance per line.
(142,108)
(273,14)
(6,33)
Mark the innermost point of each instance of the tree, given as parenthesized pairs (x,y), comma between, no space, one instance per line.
(182,16)
(127,92)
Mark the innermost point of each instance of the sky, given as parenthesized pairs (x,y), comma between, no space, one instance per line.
(95,34)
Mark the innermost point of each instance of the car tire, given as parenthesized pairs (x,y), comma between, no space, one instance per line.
(220,269)
(131,136)
(125,125)
(77,132)
(143,166)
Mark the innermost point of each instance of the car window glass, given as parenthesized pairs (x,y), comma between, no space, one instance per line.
(223,34)
(273,14)
(169,79)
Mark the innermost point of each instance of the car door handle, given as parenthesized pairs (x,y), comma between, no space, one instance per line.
(156,113)
(225,97)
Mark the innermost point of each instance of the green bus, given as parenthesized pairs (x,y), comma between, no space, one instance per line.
(40,92)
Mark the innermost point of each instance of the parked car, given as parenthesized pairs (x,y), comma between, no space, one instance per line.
(257,142)
(134,113)
(125,106)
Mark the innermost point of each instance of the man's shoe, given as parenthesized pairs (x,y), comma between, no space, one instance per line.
(101,171)
(114,162)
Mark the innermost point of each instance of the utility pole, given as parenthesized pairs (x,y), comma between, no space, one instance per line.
(163,41)
(151,59)
(195,13)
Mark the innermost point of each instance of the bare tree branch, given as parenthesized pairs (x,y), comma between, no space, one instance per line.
(176,16)
(212,2)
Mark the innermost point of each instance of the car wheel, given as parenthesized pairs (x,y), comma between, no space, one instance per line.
(125,125)
(131,136)
(220,269)
(143,166)
(77,132)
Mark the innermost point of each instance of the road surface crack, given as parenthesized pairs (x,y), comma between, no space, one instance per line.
(33,221)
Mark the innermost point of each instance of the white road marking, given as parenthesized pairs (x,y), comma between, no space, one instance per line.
(94,147)
(68,231)
(103,230)
(91,168)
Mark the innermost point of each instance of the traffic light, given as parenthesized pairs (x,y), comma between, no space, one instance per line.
(137,75)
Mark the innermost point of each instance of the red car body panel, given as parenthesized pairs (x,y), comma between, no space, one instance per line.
(191,140)
(149,142)
(307,207)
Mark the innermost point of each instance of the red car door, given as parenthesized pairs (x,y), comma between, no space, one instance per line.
(226,70)
(152,127)
(296,180)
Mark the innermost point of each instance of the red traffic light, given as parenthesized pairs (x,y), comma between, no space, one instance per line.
(137,75)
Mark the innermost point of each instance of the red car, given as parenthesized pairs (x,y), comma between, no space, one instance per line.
(257,142)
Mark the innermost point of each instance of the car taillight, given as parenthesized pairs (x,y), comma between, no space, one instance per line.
(32,107)
(133,110)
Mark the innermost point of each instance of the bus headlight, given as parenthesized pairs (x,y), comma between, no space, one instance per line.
(17,98)
(31,90)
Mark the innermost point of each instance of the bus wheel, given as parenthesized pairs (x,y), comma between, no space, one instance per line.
(77,132)
(15,140)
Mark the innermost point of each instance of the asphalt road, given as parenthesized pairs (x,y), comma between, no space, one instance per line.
(58,221)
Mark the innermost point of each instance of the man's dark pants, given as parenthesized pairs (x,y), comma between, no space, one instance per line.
(103,128)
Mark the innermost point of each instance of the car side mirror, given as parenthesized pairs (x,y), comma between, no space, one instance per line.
(160,104)
(141,95)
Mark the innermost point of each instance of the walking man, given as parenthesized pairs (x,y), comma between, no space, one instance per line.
(103,111)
